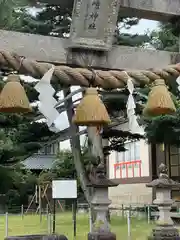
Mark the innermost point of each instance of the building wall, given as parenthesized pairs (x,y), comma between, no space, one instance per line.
(132,177)
(134,194)
(131,168)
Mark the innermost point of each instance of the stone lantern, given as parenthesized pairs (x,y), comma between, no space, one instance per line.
(100,203)
(165,228)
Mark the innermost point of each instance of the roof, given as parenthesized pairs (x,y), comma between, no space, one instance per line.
(38,162)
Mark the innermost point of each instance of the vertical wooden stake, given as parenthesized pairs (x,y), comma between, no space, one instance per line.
(54,216)
(129,224)
(40,207)
(22,211)
(7,223)
(90,220)
(148,213)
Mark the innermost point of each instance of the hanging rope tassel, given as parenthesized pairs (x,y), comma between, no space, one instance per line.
(159,100)
(91,110)
(13,98)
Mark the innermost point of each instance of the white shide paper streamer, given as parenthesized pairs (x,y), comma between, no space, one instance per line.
(133,124)
(55,121)
(48,102)
(178,82)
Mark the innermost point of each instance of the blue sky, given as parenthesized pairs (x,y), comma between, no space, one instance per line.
(142,27)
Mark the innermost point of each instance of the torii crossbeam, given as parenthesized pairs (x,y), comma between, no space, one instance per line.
(92,31)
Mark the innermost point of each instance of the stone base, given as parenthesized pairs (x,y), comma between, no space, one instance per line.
(102,236)
(27,237)
(165,233)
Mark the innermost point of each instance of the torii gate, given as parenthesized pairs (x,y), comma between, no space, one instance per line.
(90,45)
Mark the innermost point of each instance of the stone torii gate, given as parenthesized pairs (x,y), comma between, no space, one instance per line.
(90,47)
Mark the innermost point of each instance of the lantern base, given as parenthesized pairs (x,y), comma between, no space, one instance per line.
(102,236)
(165,233)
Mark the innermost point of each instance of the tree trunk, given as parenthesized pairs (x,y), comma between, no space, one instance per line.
(76,147)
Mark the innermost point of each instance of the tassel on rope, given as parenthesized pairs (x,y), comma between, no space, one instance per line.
(13,98)
(91,110)
(159,100)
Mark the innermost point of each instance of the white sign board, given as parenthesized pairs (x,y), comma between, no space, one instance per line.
(64,189)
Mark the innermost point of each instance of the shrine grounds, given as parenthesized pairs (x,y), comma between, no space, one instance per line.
(30,224)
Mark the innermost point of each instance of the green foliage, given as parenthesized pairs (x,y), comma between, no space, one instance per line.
(12,200)
(22,185)
(20,136)
(64,168)
(163,129)
(164,38)
(132,40)
(117,139)
(115,102)
(56,21)
(10,17)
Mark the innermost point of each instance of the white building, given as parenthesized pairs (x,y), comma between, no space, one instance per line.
(131,170)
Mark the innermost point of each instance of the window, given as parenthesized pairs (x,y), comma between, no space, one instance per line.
(137,150)
(48,150)
(131,154)
(174,162)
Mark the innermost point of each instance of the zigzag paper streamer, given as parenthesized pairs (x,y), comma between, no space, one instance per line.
(178,82)
(47,101)
(133,124)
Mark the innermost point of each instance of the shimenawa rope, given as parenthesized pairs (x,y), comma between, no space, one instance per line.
(67,76)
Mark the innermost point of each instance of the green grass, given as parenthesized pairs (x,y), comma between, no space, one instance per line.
(30,224)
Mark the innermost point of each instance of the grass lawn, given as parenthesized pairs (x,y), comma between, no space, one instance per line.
(30,224)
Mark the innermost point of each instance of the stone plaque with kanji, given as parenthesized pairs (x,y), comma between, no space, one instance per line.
(93,24)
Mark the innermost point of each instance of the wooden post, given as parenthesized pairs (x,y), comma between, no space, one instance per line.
(6,225)
(76,147)
(123,210)
(22,211)
(36,194)
(129,224)
(47,210)
(40,205)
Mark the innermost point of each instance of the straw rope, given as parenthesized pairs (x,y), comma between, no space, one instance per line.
(67,76)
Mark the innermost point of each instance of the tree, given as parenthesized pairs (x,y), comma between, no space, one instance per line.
(166,37)
(19,134)
(55,20)
(11,13)
(52,20)
(64,168)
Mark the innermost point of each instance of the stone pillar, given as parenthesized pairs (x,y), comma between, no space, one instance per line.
(100,203)
(165,228)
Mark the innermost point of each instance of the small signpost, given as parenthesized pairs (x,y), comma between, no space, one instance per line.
(64,189)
